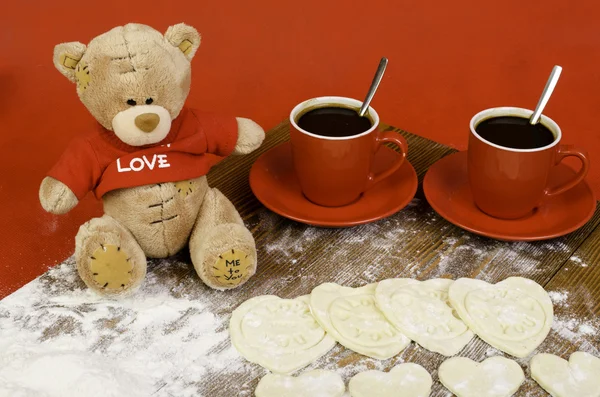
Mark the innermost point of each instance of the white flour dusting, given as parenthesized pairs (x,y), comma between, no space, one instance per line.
(491,351)
(61,372)
(576,330)
(391,243)
(559,298)
(579,333)
(588,329)
(59,343)
(579,261)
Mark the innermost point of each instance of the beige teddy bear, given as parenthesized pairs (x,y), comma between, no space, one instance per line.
(147,158)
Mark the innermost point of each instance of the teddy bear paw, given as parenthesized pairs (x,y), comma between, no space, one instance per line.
(56,197)
(250,136)
(110,271)
(227,257)
(111,268)
(109,260)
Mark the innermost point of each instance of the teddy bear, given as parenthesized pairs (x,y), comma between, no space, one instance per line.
(146,157)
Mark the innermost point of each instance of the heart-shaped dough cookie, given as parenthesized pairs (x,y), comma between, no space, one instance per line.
(580,376)
(495,377)
(420,309)
(404,380)
(351,317)
(317,383)
(279,334)
(514,315)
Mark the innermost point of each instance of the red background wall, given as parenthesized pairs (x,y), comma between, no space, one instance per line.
(448,60)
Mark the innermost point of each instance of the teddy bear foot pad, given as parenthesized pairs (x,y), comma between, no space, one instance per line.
(109,260)
(226,258)
(111,268)
(232,267)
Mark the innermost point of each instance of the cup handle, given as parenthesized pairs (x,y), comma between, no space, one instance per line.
(564,151)
(399,140)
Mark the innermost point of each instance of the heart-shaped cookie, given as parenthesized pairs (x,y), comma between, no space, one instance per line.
(495,377)
(420,309)
(279,334)
(514,315)
(580,376)
(317,383)
(404,380)
(351,317)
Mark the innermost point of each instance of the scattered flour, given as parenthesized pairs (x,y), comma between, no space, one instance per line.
(491,351)
(450,240)
(347,364)
(391,243)
(61,343)
(588,329)
(580,331)
(579,261)
(46,372)
(559,298)
(382,241)
(577,330)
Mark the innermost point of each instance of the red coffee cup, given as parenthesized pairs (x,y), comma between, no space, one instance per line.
(335,171)
(510,183)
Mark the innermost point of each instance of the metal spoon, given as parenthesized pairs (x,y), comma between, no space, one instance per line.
(550,84)
(376,80)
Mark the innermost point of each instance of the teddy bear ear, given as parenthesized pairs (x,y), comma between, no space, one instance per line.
(185,37)
(66,58)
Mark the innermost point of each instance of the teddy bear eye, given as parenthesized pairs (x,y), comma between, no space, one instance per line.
(149,101)
(131,102)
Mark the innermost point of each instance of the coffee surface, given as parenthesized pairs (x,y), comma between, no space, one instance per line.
(514,132)
(334,122)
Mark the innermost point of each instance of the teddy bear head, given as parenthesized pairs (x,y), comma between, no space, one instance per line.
(133,79)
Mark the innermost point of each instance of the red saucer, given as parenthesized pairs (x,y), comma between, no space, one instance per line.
(274,183)
(447,190)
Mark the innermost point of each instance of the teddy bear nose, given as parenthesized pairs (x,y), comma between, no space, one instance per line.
(147,122)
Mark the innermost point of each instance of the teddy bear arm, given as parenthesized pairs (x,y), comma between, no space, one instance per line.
(56,197)
(250,136)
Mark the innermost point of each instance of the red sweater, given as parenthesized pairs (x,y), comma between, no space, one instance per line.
(100,162)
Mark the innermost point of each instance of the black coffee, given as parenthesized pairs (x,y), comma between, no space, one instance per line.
(514,132)
(334,122)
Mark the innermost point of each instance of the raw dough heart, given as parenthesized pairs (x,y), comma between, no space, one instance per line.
(514,315)
(580,376)
(420,309)
(351,317)
(495,377)
(317,383)
(279,334)
(404,380)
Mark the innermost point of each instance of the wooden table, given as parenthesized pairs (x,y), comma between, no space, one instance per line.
(416,243)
